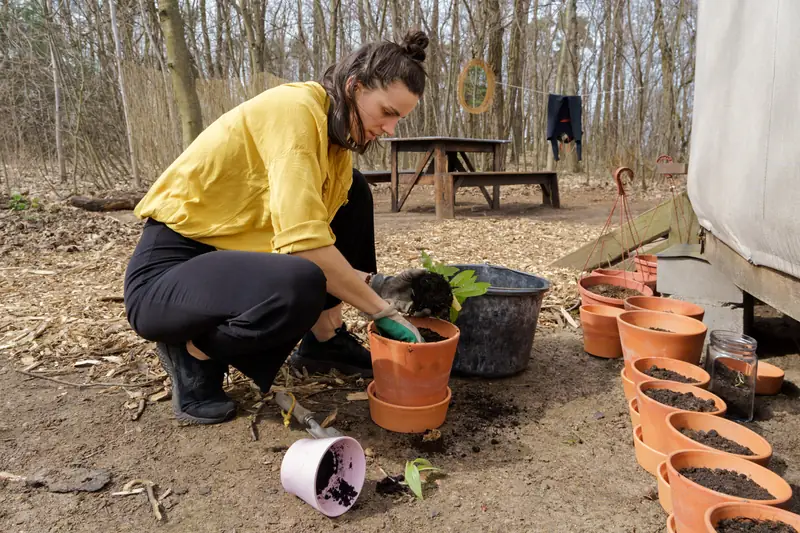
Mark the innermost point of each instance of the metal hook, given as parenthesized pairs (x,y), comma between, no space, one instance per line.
(618,179)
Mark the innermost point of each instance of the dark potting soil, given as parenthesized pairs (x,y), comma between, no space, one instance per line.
(669,375)
(431,291)
(662,330)
(717,441)
(681,400)
(430,336)
(741,524)
(613,291)
(327,468)
(727,482)
(734,389)
(342,493)
(391,485)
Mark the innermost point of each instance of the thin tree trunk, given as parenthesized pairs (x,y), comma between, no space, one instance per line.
(562,61)
(333,30)
(137,181)
(62,163)
(181,71)
(667,80)
(206,40)
(173,118)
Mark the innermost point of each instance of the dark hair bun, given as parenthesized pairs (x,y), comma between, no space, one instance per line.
(414,45)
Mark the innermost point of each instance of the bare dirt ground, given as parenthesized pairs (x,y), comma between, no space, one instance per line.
(549,450)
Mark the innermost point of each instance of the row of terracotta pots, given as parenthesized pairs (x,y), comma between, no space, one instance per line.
(410,393)
(660,446)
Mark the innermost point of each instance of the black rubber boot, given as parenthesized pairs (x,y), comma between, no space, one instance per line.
(197,395)
(343,351)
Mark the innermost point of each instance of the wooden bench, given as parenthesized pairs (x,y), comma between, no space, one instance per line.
(452,181)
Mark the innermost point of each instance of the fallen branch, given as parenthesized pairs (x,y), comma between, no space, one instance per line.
(569,318)
(105,204)
(148,486)
(8,476)
(139,410)
(88,385)
(27,336)
(128,492)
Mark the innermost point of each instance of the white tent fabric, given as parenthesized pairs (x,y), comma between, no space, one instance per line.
(744,169)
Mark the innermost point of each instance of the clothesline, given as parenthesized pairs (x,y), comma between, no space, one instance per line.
(591,93)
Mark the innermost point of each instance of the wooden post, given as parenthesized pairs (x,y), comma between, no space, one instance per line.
(443,185)
(395,187)
(497,166)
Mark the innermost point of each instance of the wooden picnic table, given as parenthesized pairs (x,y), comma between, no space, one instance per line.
(445,152)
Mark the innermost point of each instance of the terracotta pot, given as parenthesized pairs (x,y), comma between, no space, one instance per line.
(726,428)
(684,339)
(769,378)
(645,279)
(633,410)
(690,501)
(647,457)
(647,264)
(628,387)
(671,524)
(413,375)
(665,305)
(589,298)
(664,492)
(676,365)
(721,511)
(600,333)
(407,419)
(653,414)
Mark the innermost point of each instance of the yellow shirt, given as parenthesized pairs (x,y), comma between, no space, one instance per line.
(263,177)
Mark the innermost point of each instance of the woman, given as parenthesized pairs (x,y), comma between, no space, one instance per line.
(261,228)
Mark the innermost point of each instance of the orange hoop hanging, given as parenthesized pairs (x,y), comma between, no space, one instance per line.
(490,83)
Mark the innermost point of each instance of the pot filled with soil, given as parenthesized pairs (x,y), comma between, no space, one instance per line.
(628,387)
(328,474)
(656,334)
(644,279)
(665,305)
(414,374)
(600,333)
(646,456)
(646,264)
(701,479)
(498,327)
(657,399)
(665,369)
(609,290)
(403,419)
(701,431)
(736,517)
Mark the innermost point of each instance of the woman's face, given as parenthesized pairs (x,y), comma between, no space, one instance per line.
(381,109)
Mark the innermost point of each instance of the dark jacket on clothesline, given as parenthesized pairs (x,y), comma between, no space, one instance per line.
(564,117)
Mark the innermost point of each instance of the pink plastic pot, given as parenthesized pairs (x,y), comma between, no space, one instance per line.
(301,465)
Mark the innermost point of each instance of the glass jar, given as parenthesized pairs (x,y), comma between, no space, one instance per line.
(732,364)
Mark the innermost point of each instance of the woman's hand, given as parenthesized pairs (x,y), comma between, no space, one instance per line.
(393,325)
(397,289)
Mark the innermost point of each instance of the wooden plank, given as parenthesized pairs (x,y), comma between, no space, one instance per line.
(671,168)
(649,226)
(504,173)
(415,178)
(684,227)
(437,139)
(476,180)
(772,287)
(395,188)
(443,187)
(450,146)
(498,165)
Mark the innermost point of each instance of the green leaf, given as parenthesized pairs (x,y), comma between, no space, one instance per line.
(413,480)
(453,315)
(476,289)
(427,262)
(447,271)
(462,278)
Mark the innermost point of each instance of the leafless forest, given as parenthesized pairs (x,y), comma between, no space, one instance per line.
(97,95)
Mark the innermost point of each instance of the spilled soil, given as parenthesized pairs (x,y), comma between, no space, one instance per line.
(752,525)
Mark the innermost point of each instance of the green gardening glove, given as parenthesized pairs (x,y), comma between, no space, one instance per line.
(393,325)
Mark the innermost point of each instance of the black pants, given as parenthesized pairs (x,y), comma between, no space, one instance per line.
(248,309)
